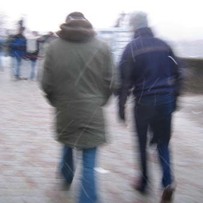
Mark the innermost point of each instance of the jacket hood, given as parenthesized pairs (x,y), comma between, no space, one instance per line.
(76,30)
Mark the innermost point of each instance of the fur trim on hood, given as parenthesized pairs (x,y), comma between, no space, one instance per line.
(76,30)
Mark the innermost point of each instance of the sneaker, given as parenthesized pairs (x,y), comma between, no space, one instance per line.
(167,195)
(65,186)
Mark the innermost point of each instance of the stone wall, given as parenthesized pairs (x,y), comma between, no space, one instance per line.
(193,72)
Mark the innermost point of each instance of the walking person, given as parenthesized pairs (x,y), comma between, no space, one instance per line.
(32,49)
(43,42)
(2,45)
(17,47)
(149,69)
(77,81)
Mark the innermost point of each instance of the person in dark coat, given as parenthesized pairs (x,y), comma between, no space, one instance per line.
(149,69)
(77,81)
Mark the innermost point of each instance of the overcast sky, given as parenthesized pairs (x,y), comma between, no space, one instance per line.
(173,19)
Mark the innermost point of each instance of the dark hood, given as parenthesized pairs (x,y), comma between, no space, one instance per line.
(77,30)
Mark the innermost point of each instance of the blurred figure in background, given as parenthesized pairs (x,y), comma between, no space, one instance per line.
(32,49)
(77,80)
(149,68)
(44,42)
(2,45)
(17,47)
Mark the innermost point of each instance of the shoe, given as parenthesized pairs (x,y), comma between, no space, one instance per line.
(16,77)
(65,186)
(167,195)
(141,186)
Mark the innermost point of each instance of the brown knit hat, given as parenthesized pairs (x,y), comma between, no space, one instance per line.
(75,16)
(76,28)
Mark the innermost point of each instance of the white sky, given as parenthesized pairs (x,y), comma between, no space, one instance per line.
(173,19)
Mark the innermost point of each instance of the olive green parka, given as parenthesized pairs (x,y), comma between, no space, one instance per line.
(78,81)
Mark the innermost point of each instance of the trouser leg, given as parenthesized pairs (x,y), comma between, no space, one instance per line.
(67,165)
(88,190)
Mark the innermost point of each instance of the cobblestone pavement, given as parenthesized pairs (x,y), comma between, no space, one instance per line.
(29,155)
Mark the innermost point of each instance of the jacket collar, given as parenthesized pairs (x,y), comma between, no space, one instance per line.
(143,32)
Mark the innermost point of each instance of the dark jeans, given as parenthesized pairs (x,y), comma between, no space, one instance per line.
(154,113)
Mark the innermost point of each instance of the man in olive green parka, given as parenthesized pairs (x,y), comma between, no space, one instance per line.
(77,80)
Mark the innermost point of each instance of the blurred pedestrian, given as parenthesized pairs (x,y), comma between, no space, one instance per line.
(149,69)
(77,80)
(44,42)
(17,46)
(32,49)
(2,45)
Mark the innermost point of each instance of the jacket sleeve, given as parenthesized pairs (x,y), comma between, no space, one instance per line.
(47,78)
(125,75)
(109,75)
(178,69)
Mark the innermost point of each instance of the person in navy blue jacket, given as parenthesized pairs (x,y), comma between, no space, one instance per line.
(17,47)
(150,71)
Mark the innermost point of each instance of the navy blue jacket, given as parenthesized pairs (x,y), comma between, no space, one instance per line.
(148,67)
(18,46)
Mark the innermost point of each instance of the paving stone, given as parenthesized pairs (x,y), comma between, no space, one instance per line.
(29,153)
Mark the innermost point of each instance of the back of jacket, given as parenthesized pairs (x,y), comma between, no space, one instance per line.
(77,80)
(79,71)
(149,66)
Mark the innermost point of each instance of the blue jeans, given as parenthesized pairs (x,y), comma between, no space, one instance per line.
(88,190)
(33,67)
(154,113)
(1,64)
(17,62)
